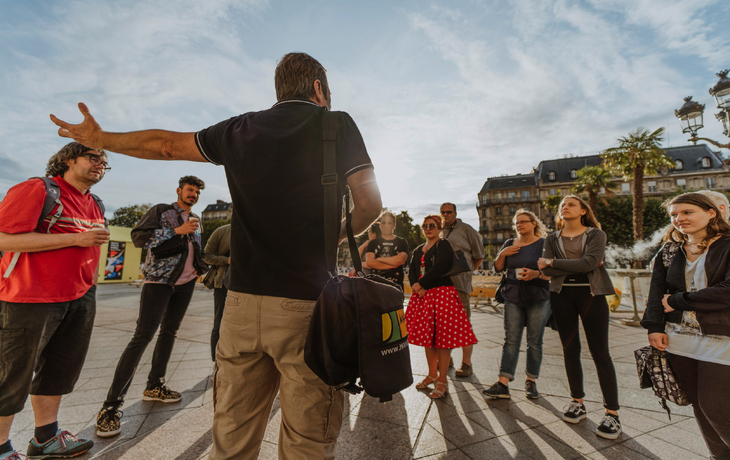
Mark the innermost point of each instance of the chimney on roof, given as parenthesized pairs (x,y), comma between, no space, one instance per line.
(220,202)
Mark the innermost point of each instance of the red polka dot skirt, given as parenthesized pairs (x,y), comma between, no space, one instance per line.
(438,320)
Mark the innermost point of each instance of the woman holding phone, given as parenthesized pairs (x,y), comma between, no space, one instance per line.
(526,295)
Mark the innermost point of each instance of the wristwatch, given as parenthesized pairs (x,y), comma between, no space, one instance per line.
(549,262)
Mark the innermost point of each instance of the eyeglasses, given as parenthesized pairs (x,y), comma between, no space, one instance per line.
(523,222)
(429,226)
(447,212)
(96,161)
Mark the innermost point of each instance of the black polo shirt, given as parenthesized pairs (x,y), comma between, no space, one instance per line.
(274,165)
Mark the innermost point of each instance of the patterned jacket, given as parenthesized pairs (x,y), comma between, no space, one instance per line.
(157,227)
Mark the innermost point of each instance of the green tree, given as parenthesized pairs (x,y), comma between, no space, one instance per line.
(634,157)
(591,179)
(128,216)
(405,229)
(552,202)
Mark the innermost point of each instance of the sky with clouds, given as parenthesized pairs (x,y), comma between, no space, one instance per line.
(446,94)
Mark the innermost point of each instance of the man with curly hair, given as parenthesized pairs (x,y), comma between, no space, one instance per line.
(48,296)
(172,235)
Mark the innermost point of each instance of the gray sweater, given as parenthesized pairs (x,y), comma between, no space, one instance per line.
(594,245)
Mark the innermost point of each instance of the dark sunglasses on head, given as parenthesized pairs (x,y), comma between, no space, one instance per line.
(430,226)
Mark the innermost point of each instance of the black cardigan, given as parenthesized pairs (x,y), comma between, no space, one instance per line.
(712,304)
(437,263)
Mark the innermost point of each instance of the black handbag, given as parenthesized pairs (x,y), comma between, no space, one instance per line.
(172,247)
(498,293)
(459,264)
(358,328)
(655,372)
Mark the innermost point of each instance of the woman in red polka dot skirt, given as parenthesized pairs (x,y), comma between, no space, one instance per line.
(435,317)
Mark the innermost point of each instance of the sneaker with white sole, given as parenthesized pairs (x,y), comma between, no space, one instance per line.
(161,394)
(609,427)
(63,445)
(14,455)
(574,412)
(497,391)
(108,422)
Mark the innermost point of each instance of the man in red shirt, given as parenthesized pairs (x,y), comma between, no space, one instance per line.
(48,296)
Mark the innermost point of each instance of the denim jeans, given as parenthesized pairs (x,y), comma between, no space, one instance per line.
(516,318)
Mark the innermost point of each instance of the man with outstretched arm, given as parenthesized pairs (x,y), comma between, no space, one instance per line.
(274,165)
(48,295)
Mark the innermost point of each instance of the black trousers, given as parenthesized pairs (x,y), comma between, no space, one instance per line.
(160,306)
(219,302)
(571,304)
(707,386)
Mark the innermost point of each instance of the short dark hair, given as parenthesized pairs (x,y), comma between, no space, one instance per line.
(295,76)
(375,228)
(191,180)
(449,204)
(57,164)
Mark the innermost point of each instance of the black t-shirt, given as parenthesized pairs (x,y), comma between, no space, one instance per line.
(389,248)
(274,164)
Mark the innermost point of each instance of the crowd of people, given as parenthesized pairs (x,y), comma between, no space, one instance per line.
(261,323)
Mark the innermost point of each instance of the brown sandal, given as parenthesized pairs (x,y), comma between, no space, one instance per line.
(425,383)
(437,393)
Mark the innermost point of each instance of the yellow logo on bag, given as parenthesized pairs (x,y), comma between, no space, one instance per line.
(394,326)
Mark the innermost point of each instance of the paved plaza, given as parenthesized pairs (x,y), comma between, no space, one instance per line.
(464,425)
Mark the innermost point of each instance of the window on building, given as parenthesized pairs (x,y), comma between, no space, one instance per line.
(551,175)
(527,208)
(573,174)
(652,186)
(525,195)
(553,191)
(625,187)
(500,236)
(682,184)
(706,163)
(511,196)
(710,182)
(512,210)
(678,165)
(484,212)
(499,210)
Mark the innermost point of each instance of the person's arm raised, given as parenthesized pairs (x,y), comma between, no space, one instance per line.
(152,144)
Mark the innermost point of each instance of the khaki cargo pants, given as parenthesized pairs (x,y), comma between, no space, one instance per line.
(261,353)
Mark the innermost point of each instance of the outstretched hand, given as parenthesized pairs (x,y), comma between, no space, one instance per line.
(88,132)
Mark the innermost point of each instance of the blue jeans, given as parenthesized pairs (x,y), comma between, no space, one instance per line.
(516,318)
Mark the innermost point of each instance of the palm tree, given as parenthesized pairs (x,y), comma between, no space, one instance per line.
(591,179)
(634,157)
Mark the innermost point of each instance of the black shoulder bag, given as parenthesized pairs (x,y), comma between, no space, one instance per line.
(358,328)
(498,293)
(459,264)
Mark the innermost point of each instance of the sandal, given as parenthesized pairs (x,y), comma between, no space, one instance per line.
(425,383)
(437,393)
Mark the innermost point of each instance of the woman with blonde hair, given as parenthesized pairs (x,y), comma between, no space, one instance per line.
(526,295)
(688,314)
(573,258)
(435,317)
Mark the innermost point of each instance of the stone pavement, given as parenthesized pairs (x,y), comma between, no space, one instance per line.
(464,425)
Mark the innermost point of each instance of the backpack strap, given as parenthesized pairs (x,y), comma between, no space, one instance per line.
(330,182)
(53,199)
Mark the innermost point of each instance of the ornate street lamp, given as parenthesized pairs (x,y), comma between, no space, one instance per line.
(690,114)
(721,91)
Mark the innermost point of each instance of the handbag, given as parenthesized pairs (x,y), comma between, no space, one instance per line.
(209,278)
(358,328)
(655,371)
(459,264)
(172,247)
(498,293)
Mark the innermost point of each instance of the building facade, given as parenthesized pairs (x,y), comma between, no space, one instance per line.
(696,168)
(218,211)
